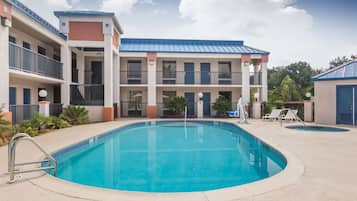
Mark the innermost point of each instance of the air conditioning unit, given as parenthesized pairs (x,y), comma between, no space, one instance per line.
(6,22)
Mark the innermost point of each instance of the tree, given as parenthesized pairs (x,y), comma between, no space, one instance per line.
(289,90)
(341,60)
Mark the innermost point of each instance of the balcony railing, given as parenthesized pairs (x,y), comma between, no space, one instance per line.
(87,94)
(255,78)
(25,60)
(133,77)
(132,109)
(55,109)
(199,78)
(22,112)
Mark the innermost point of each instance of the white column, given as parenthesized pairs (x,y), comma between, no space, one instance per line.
(81,67)
(264,91)
(66,59)
(245,82)
(152,82)
(4,68)
(108,71)
(116,78)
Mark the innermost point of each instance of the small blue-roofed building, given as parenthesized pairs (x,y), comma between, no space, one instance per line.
(336,95)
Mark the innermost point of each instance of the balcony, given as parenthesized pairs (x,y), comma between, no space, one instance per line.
(25,60)
(199,78)
(87,94)
(133,77)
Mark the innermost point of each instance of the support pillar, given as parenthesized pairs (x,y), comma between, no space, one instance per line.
(116,88)
(245,63)
(44,108)
(108,110)
(264,69)
(152,105)
(66,59)
(4,68)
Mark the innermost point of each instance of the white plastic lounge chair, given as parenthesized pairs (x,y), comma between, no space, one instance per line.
(291,115)
(275,114)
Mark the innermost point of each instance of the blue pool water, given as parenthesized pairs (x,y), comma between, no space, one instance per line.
(167,156)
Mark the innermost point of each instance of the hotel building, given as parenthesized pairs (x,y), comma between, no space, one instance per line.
(86,61)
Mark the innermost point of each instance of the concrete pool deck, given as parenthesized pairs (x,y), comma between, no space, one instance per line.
(321,166)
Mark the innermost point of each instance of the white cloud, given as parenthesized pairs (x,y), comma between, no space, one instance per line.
(45,8)
(122,6)
(274,25)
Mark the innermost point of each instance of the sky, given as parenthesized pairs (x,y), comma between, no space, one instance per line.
(315,31)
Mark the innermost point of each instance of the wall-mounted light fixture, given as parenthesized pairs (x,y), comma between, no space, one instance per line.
(200,96)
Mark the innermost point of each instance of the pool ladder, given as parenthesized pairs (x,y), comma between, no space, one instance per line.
(12,171)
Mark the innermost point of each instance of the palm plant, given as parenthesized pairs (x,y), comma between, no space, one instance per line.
(177,105)
(75,115)
(222,105)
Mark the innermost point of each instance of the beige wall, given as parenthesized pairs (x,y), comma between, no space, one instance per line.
(325,100)
(180,67)
(34,42)
(20,84)
(95,113)
(180,91)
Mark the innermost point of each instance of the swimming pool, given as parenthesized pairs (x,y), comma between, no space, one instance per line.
(317,128)
(170,156)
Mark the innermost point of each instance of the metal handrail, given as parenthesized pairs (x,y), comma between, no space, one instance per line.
(12,153)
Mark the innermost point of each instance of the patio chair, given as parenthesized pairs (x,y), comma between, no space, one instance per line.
(275,114)
(291,115)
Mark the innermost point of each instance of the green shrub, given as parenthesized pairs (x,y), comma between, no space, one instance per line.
(40,124)
(5,129)
(75,115)
(57,123)
(177,105)
(222,105)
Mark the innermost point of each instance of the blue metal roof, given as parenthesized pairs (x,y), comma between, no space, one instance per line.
(30,13)
(345,71)
(187,46)
(89,13)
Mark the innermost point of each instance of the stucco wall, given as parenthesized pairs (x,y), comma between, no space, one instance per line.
(88,31)
(325,100)
(95,113)
(34,42)
(180,91)
(20,84)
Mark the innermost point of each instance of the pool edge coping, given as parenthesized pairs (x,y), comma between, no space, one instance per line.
(288,176)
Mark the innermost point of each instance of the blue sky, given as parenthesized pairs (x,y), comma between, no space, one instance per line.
(315,31)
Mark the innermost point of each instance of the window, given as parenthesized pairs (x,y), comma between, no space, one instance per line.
(225,70)
(41,50)
(26,45)
(134,72)
(169,72)
(56,54)
(12,39)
